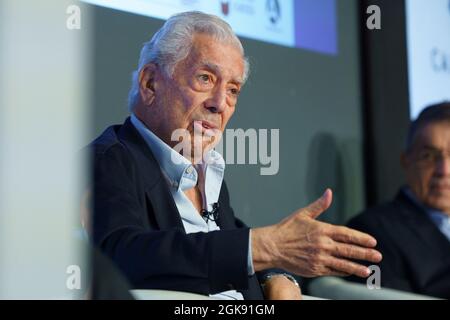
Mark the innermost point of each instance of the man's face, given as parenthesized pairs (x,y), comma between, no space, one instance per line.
(427,166)
(201,95)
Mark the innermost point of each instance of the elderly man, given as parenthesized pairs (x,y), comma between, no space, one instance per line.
(413,231)
(162,213)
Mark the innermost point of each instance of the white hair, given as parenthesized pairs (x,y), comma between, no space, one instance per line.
(173,42)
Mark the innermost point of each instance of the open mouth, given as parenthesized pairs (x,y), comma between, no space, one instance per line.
(205,127)
(208,125)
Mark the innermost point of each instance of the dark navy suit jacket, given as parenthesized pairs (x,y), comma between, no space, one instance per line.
(136,223)
(416,255)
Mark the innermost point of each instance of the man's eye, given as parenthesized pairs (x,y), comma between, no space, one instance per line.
(204,78)
(428,156)
(234,91)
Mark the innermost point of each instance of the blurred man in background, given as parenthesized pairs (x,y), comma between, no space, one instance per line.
(413,231)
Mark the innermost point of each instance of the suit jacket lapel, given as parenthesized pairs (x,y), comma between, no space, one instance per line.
(164,207)
(423,226)
(157,192)
(225,220)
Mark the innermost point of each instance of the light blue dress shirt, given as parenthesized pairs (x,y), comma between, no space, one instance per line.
(181,175)
(439,218)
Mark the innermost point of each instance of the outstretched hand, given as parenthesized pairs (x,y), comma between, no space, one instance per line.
(307,247)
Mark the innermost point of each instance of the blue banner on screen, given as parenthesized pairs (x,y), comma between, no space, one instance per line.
(428,35)
(305,24)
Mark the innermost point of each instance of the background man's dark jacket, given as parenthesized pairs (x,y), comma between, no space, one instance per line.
(416,255)
(136,223)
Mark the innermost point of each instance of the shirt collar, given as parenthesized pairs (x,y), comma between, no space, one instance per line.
(180,172)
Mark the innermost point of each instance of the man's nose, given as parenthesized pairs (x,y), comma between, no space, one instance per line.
(217,102)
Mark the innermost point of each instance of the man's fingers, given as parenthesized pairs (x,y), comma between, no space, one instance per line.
(348,267)
(347,235)
(357,253)
(335,273)
(319,206)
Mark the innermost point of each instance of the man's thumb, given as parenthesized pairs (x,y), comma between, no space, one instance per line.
(319,206)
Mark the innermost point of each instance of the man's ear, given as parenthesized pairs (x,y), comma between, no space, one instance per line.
(147,83)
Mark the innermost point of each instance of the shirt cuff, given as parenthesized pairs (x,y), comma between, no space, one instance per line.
(250,269)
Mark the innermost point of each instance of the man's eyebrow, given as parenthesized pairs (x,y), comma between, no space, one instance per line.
(217,70)
(429,147)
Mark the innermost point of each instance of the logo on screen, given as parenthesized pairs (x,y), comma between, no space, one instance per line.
(274,11)
(225,6)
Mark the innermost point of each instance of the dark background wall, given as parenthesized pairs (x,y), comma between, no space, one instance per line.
(386,103)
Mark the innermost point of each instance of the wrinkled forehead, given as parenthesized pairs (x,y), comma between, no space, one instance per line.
(434,135)
(219,57)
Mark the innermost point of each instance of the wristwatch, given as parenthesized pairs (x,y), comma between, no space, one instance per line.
(270,275)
